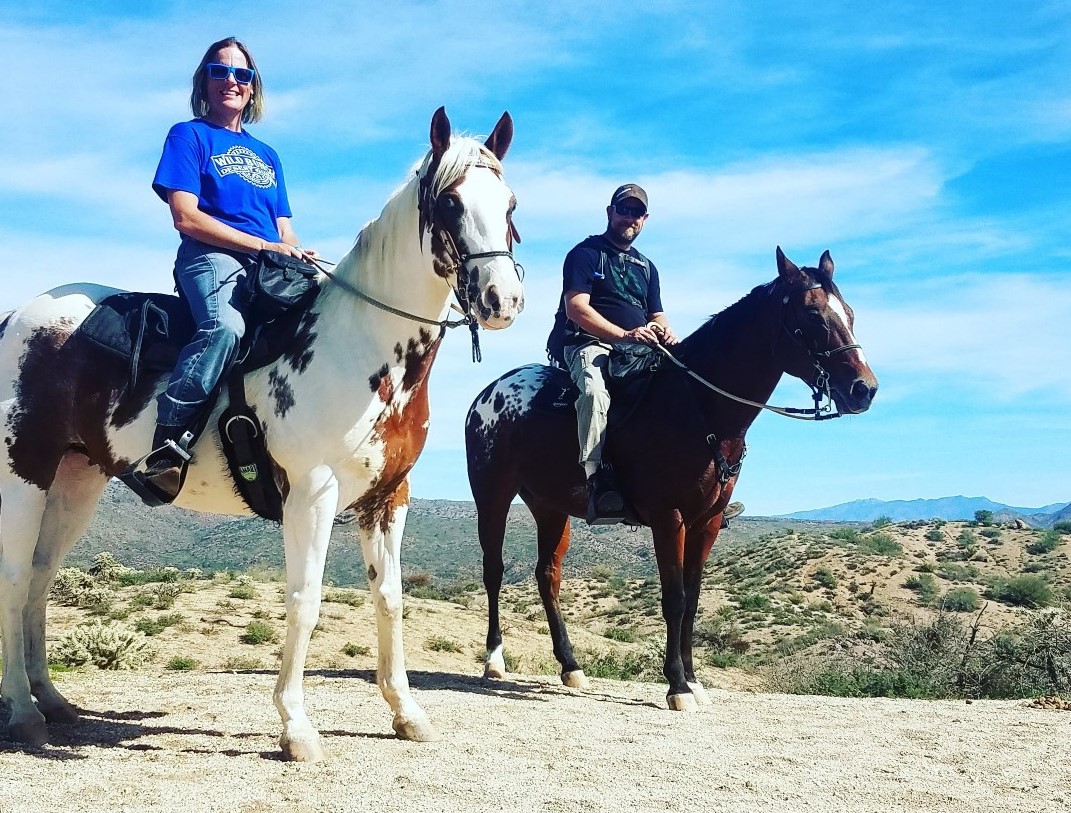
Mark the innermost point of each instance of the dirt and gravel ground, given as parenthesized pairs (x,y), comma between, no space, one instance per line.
(206,741)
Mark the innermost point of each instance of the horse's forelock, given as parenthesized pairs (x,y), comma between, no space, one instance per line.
(462,154)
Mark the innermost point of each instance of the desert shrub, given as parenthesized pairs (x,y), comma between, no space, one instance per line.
(242,663)
(1063,526)
(961,600)
(935,535)
(990,533)
(720,634)
(825,577)
(258,632)
(967,538)
(353,650)
(754,601)
(163,594)
(106,646)
(625,634)
(107,568)
(243,589)
(642,664)
(438,643)
(351,598)
(1022,591)
(155,574)
(925,585)
(849,535)
(821,632)
(983,517)
(1046,543)
(882,544)
(181,663)
(154,626)
(881,522)
(946,657)
(69,586)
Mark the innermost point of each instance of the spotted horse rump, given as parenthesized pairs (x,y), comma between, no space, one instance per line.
(344,412)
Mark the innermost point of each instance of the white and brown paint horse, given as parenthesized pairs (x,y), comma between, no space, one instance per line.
(678,454)
(344,413)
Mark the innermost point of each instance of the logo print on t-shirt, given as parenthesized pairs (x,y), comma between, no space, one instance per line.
(247,164)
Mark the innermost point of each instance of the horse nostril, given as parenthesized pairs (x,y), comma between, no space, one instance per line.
(863,392)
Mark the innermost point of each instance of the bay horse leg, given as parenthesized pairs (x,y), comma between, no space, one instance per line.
(553,541)
(697,544)
(491,528)
(381,543)
(669,553)
(23,506)
(69,507)
(307,519)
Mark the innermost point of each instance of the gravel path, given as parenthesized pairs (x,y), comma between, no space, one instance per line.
(160,741)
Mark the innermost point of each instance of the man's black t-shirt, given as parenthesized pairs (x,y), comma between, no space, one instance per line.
(624,294)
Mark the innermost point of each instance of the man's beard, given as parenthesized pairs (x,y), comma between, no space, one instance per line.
(623,235)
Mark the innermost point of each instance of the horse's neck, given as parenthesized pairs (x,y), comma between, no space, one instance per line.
(390,262)
(735,352)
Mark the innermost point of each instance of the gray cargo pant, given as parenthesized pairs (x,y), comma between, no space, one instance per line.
(586,363)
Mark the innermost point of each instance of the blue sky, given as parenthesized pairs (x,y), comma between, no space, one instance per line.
(925,145)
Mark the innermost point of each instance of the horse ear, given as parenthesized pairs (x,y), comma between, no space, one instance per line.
(440,132)
(825,265)
(501,137)
(785,267)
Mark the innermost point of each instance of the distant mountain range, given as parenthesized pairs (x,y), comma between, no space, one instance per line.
(948,508)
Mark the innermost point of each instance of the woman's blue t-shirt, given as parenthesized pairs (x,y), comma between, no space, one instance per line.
(237,179)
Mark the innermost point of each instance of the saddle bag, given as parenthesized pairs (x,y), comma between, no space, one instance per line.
(628,360)
(278,284)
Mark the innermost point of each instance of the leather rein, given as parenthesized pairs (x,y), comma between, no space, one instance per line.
(819,390)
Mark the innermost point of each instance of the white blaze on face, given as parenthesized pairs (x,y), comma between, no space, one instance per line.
(838,308)
(483,228)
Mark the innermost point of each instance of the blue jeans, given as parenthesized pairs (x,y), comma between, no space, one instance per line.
(208,277)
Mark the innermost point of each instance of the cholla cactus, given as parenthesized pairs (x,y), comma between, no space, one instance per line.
(107,568)
(70,585)
(106,646)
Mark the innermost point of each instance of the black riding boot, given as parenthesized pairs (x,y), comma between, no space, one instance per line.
(164,465)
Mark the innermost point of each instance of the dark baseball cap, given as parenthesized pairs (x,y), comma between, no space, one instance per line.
(629,190)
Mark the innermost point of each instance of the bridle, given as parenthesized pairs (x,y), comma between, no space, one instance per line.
(819,389)
(465,291)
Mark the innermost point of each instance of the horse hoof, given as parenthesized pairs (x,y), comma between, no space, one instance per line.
(416,730)
(63,714)
(495,666)
(302,749)
(576,679)
(34,734)
(682,702)
(700,694)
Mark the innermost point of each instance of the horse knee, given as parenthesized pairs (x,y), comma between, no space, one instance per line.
(388,599)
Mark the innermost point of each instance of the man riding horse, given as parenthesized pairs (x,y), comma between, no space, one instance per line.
(611,293)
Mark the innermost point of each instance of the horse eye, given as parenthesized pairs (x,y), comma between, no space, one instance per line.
(450,205)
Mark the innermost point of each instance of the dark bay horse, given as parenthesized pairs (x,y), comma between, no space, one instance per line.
(677,454)
(344,412)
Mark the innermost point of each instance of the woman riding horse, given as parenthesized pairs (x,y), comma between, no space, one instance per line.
(228,201)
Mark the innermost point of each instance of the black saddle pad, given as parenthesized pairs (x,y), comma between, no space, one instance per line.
(149,330)
(559,393)
(150,327)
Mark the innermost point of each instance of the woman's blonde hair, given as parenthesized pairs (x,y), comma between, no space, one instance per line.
(254,110)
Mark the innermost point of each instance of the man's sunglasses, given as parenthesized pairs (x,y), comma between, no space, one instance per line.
(243,76)
(630,211)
